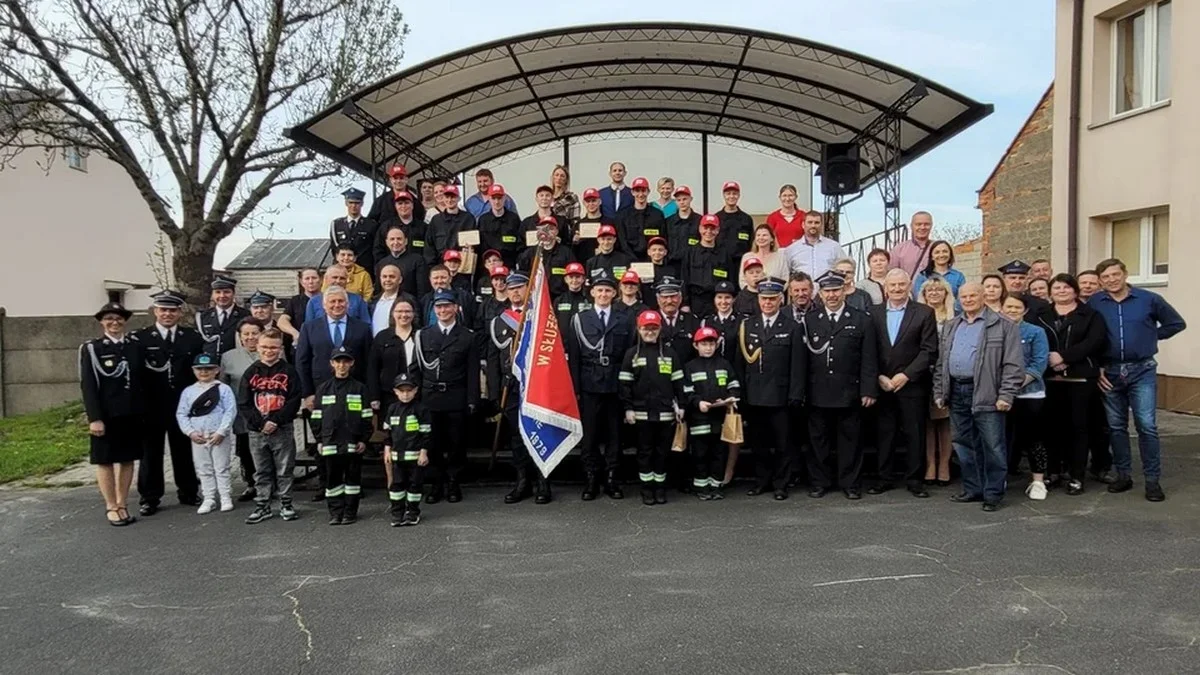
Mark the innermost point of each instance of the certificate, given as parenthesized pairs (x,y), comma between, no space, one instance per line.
(645,270)
(589,230)
(468,238)
(531,238)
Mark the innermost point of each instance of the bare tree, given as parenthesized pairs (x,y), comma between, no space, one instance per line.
(189,97)
(957,233)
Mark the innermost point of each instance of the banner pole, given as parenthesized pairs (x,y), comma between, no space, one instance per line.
(512,353)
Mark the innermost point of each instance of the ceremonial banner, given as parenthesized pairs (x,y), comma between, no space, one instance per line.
(548,414)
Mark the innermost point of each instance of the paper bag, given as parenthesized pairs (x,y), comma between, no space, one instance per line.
(679,444)
(468,260)
(731,428)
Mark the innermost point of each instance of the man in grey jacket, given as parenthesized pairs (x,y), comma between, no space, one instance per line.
(978,373)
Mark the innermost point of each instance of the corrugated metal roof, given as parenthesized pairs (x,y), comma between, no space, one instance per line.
(286,254)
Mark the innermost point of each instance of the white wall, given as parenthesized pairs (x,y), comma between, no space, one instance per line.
(759,174)
(66,231)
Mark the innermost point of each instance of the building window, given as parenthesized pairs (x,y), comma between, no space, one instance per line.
(1143,244)
(1141,55)
(76,158)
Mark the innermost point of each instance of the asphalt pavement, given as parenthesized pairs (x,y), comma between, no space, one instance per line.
(1098,583)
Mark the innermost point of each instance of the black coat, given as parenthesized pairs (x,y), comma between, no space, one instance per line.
(414,273)
(1080,337)
(503,233)
(736,234)
(383,209)
(771,365)
(219,338)
(341,414)
(652,381)
(497,369)
(361,237)
(915,351)
(611,264)
(110,378)
(703,268)
(442,234)
(678,334)
(728,330)
(636,227)
(554,261)
(167,367)
(386,360)
(594,351)
(448,367)
(843,358)
(415,235)
(682,234)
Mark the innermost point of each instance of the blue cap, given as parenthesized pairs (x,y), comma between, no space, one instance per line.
(771,287)
(168,299)
(341,354)
(605,279)
(203,360)
(668,286)
(220,282)
(259,299)
(354,195)
(726,287)
(831,279)
(1015,267)
(516,279)
(444,298)
(403,380)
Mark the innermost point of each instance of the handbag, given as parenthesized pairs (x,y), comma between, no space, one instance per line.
(679,443)
(731,428)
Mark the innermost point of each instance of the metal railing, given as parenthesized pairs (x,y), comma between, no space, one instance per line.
(858,249)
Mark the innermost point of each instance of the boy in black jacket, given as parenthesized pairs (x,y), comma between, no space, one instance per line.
(268,399)
(651,382)
(710,386)
(409,426)
(341,423)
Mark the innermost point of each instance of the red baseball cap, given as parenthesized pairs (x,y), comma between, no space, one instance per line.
(496,190)
(710,220)
(751,262)
(706,333)
(639,183)
(656,240)
(683,190)
(452,254)
(607,231)
(575,268)
(450,189)
(397,170)
(548,220)
(499,271)
(630,277)
(489,253)
(649,318)
(731,185)
(591,193)
(403,197)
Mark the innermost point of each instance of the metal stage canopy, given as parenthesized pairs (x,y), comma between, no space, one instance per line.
(464,109)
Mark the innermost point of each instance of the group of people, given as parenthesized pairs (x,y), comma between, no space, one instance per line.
(672,321)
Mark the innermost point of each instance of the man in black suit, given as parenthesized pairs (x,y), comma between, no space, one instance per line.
(218,324)
(354,230)
(843,372)
(908,344)
(318,339)
(447,355)
(167,350)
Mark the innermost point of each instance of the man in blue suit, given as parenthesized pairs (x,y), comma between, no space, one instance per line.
(336,275)
(318,339)
(616,197)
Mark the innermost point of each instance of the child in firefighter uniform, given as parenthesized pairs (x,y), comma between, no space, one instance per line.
(205,414)
(409,426)
(342,424)
(710,387)
(651,380)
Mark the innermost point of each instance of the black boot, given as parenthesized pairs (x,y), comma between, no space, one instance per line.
(412,514)
(647,494)
(454,492)
(521,490)
(612,488)
(350,511)
(541,491)
(660,494)
(336,509)
(591,487)
(397,510)
(436,492)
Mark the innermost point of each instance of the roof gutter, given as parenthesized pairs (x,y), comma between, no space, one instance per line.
(1073,137)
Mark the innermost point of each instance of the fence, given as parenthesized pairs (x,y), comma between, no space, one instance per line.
(859,249)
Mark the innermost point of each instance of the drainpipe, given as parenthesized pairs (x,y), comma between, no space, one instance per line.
(1073,137)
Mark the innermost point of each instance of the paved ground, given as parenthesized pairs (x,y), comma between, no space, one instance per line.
(1093,584)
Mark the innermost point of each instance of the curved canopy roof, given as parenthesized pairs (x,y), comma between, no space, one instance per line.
(469,107)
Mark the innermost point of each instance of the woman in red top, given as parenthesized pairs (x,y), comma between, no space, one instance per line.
(787,220)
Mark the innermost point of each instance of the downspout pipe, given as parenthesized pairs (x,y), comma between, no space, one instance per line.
(1073,126)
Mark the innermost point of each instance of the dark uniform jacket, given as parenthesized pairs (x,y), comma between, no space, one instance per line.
(611,264)
(594,351)
(341,416)
(503,233)
(677,334)
(702,268)
(442,234)
(383,209)
(410,430)
(652,382)
(168,367)
(772,364)
(636,226)
(414,272)
(386,360)
(746,303)
(448,367)
(414,231)
(710,379)
(220,337)
(682,233)
(497,369)
(554,261)
(570,303)
(110,376)
(736,234)
(843,361)
(489,308)
(268,394)
(915,350)
(727,327)
(360,236)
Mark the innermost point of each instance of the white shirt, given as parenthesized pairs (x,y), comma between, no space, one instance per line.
(605,313)
(836,315)
(445,328)
(164,332)
(770,321)
(813,259)
(382,314)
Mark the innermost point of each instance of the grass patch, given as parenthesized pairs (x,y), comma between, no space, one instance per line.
(42,443)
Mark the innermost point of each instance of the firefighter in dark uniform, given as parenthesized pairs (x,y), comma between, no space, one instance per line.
(500,229)
(167,351)
(639,223)
(737,227)
(493,303)
(342,421)
(443,230)
(656,248)
(708,380)
(629,295)
(555,256)
(576,298)
(586,248)
(651,391)
(501,331)
(746,302)
(597,339)
(724,320)
(771,361)
(683,230)
(678,326)
(608,261)
(409,427)
(843,378)
(447,355)
(356,230)
(702,266)
(413,229)
(218,324)
(383,209)
(110,379)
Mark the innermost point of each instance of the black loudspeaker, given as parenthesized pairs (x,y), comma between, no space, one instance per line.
(839,169)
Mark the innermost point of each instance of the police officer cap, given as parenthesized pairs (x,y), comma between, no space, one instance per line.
(831,279)
(444,298)
(168,299)
(260,298)
(403,380)
(1015,267)
(516,279)
(113,308)
(726,287)
(354,195)
(221,283)
(341,354)
(771,287)
(203,360)
(668,286)
(605,280)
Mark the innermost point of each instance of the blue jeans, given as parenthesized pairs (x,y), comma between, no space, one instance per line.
(978,439)
(1134,386)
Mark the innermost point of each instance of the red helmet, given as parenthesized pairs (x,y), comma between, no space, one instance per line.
(649,318)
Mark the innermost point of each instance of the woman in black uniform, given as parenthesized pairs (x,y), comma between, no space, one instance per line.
(109,368)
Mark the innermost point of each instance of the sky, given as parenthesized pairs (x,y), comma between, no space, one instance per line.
(994,52)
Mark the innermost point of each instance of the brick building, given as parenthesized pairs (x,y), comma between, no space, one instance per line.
(1016,198)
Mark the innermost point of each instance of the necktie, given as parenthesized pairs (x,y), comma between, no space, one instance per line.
(338,338)
(604,318)
(170,336)
(767,326)
(446,332)
(221,317)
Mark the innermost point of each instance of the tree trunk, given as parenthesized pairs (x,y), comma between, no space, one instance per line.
(193,275)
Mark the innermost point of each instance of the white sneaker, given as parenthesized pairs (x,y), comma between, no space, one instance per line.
(206,507)
(1036,490)
(226,504)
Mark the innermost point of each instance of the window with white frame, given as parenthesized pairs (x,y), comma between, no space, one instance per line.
(1142,242)
(76,158)
(1142,58)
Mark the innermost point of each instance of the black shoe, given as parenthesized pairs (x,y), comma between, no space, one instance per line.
(647,495)
(519,492)
(334,520)
(1154,491)
(410,518)
(320,496)
(191,500)
(1121,484)
(919,491)
(148,509)
(247,495)
(435,494)
(591,488)
(349,518)
(718,493)
(660,495)
(943,483)
(1106,476)
(612,488)
(930,481)
(454,493)
(781,494)
(880,488)
(398,521)
(756,490)
(1074,488)
(541,492)
(853,493)
(705,494)
(991,507)
(818,492)
(964,498)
